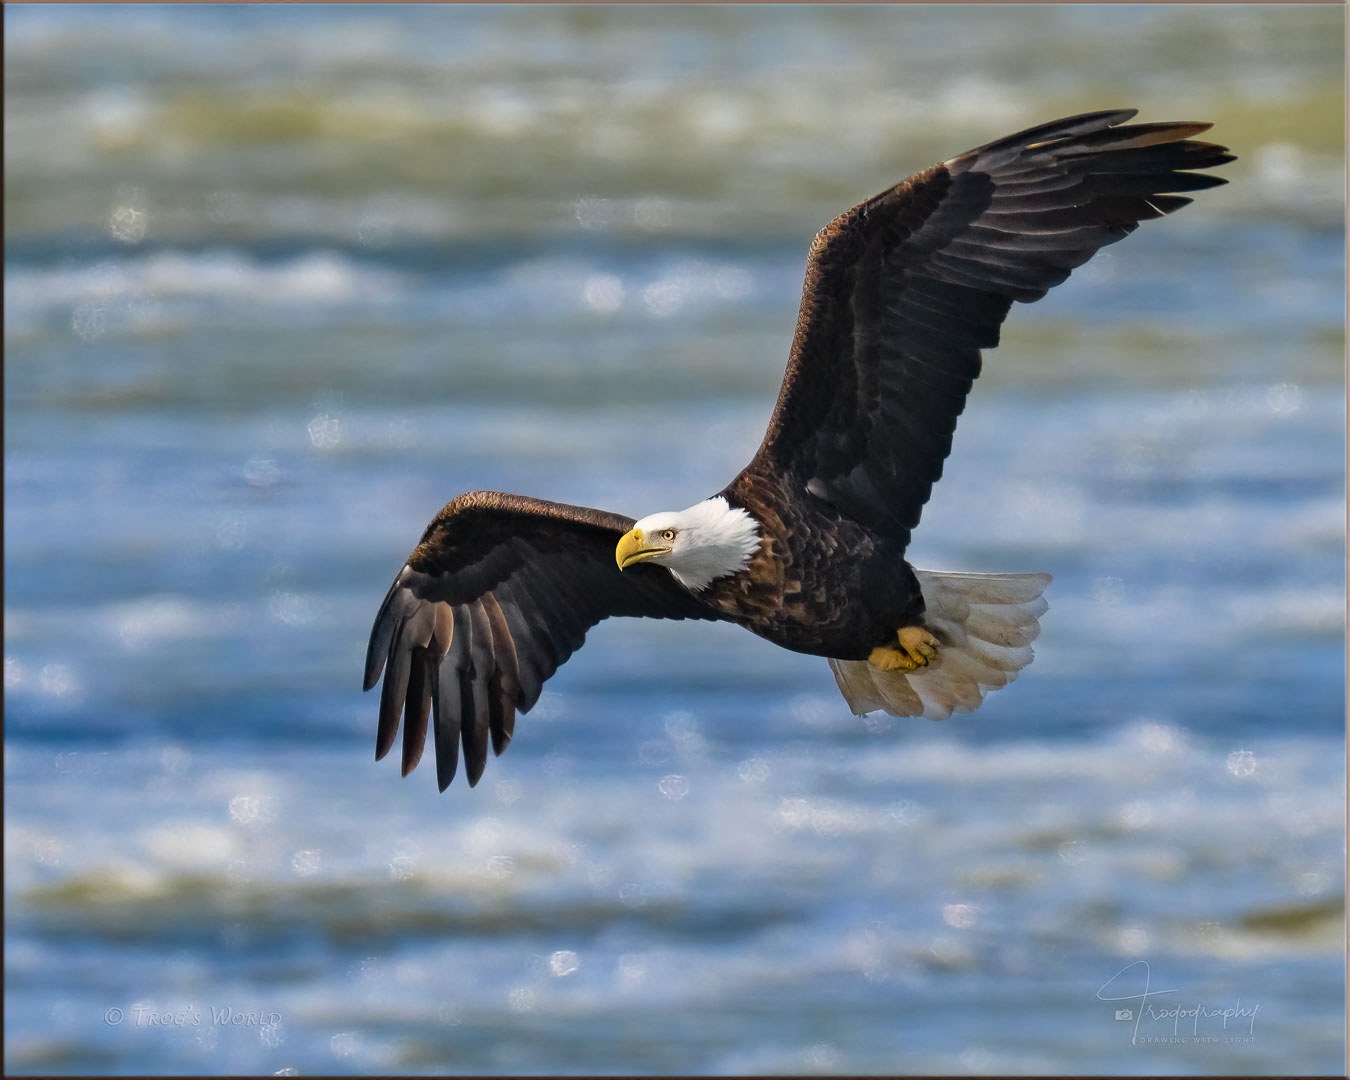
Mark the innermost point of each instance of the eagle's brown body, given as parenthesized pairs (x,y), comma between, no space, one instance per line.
(901,294)
(821,583)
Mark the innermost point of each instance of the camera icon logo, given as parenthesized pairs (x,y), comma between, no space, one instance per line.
(1124,1014)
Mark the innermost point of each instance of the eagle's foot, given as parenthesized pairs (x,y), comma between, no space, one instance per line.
(917,649)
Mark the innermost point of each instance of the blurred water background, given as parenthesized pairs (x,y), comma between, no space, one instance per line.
(281,281)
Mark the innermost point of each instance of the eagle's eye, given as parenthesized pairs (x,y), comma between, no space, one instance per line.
(667,535)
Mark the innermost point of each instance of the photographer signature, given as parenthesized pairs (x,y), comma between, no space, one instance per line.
(1175,1013)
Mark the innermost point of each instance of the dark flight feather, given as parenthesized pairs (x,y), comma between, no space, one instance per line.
(497,595)
(903,291)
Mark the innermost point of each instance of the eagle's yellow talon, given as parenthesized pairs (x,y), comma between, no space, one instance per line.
(887,659)
(917,649)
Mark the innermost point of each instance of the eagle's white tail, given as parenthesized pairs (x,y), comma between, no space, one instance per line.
(985,624)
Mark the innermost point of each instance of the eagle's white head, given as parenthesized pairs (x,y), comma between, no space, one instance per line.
(709,540)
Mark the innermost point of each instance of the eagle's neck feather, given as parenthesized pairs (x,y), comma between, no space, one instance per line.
(722,540)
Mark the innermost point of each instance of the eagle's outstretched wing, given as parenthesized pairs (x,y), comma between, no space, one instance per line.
(904,290)
(499,592)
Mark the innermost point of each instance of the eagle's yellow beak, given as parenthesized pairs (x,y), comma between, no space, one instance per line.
(633,548)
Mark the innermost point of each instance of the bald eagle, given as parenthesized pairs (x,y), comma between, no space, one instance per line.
(806,546)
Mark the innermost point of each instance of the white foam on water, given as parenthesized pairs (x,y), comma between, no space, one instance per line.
(955,858)
(144,290)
